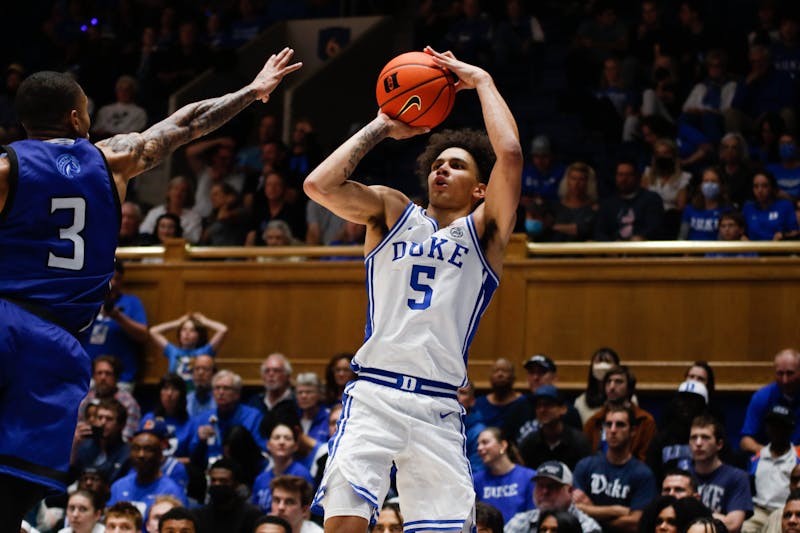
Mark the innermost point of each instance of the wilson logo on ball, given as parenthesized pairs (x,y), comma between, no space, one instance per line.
(390,83)
(411,102)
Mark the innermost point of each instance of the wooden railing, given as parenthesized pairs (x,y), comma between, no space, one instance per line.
(661,305)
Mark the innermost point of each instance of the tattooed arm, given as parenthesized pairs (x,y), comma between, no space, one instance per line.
(131,154)
(330,186)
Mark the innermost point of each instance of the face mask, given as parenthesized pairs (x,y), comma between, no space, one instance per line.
(221,495)
(599,370)
(710,189)
(787,151)
(665,165)
(533,226)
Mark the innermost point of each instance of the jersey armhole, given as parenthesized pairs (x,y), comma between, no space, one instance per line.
(114,191)
(13,180)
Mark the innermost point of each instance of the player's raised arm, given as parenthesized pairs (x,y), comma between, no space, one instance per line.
(329,184)
(503,190)
(131,154)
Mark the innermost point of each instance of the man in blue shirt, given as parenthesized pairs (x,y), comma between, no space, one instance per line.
(784,391)
(614,487)
(201,398)
(120,329)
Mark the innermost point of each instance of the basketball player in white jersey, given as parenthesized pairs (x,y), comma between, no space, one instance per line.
(430,275)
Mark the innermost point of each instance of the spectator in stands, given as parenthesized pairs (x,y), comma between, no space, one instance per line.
(272,524)
(700,219)
(249,158)
(178,520)
(613,487)
(787,172)
(786,49)
(771,468)
(389,519)
(123,116)
(504,483)
(732,227)
(168,226)
(723,489)
(99,444)
(214,425)
(473,425)
(171,409)
(769,129)
(145,481)
(553,440)
(282,444)
(227,511)
(651,37)
(552,491)
(338,373)
(515,42)
(541,176)
(603,35)
(670,445)
(273,158)
(593,397)
(161,505)
(106,371)
(661,97)
(575,212)
(179,199)
(123,517)
(620,386)
(735,167)
(304,155)
(768,216)
(322,226)
(773,524)
(201,399)
(291,500)
(710,98)
(84,509)
(670,514)
(240,447)
(790,521)
(680,484)
(765,29)
(763,90)
(614,95)
(488,519)
(192,341)
(694,36)
(120,329)
(131,219)
(665,177)
(633,213)
(495,405)
(247,24)
(273,203)
(278,396)
(212,161)
(783,391)
(228,223)
(171,466)
(278,233)
(314,415)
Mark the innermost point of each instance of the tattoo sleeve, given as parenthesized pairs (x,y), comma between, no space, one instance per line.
(194,120)
(370,136)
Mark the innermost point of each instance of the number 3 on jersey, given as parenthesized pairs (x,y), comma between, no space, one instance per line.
(417,272)
(70,233)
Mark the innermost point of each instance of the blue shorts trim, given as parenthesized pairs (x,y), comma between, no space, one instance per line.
(407,383)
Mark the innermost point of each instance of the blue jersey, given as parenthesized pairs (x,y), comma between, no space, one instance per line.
(511,492)
(58,230)
(262,493)
(703,223)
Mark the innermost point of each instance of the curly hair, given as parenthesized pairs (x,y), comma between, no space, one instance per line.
(473,141)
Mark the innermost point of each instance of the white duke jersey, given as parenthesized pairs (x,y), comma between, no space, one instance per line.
(427,289)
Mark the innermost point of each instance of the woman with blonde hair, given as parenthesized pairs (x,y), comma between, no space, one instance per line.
(575,213)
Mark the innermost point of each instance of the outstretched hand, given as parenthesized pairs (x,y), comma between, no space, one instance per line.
(276,67)
(469,76)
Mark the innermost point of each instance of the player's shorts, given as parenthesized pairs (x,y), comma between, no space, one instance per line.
(44,375)
(424,437)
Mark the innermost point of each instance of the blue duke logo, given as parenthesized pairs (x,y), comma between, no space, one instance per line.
(68,166)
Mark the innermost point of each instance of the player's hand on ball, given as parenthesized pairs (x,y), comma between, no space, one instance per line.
(469,76)
(400,130)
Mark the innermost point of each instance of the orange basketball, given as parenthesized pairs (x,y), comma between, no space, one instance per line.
(412,88)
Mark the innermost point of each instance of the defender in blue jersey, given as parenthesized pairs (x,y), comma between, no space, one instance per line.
(430,275)
(60,201)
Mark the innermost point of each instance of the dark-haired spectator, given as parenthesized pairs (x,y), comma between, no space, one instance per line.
(593,397)
(119,329)
(769,129)
(338,373)
(786,49)
(575,212)
(291,500)
(272,202)
(773,524)
(178,202)
(272,524)
(613,486)
(665,176)
(193,340)
(542,174)
(723,488)
(499,401)
(282,444)
(700,219)
(212,161)
(171,409)
(250,158)
(732,227)
(735,167)
(123,517)
(227,511)
(177,520)
(228,223)
(558,522)
(710,98)
(83,513)
(240,446)
(488,519)
(168,226)
(614,95)
(122,116)
(99,443)
(248,22)
(680,484)
(389,519)
(106,371)
(787,172)
(768,216)
(633,213)
(668,513)
(304,155)
(619,384)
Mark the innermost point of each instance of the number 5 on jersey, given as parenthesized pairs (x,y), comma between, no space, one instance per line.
(417,272)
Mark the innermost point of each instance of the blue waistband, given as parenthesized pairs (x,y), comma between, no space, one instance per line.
(406,383)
